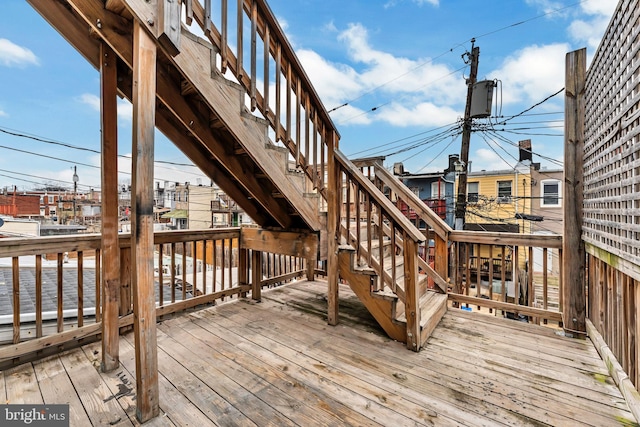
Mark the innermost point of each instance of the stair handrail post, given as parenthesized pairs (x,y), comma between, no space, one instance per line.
(333,211)
(412,293)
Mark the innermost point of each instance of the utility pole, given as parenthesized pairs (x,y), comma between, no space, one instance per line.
(461,202)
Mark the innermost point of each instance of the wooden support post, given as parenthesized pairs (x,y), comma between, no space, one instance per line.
(332,224)
(144,307)
(573,288)
(412,293)
(243,268)
(109,246)
(256,275)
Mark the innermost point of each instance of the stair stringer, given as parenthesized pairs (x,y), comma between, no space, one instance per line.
(360,281)
(227,100)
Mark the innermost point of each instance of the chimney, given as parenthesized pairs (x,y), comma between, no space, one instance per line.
(525,150)
(453,158)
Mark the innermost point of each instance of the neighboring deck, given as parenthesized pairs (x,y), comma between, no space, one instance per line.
(279,363)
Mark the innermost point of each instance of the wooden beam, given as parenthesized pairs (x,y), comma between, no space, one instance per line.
(573,287)
(144,97)
(506,306)
(169,25)
(109,247)
(301,245)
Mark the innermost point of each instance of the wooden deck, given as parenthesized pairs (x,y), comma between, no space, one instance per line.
(278,363)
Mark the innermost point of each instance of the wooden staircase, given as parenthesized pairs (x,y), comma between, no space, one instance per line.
(385,305)
(273,150)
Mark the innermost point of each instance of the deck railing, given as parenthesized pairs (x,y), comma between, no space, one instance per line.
(383,238)
(518,274)
(252,47)
(433,249)
(56,288)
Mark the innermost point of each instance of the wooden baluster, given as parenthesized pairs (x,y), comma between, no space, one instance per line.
(394,281)
(256,275)
(358,233)
(369,230)
(307,132)
(381,280)
(323,147)
(98,302)
(287,139)
(516,279)
(530,287)
(160,275)
(315,150)
(467,273)
(183,271)
(347,204)
(60,315)
(243,268)
(223,265)
(230,263)
(278,92)
(15,274)
(254,59)
(503,275)
(215,265)
(266,60)
(80,290)
(194,261)
(545,282)
(239,41)
(491,276)
(204,267)
(39,296)
(478,272)
(224,56)
(298,116)
(173,272)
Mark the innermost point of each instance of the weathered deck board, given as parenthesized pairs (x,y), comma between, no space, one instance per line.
(54,383)
(278,363)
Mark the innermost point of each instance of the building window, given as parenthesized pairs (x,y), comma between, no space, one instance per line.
(437,190)
(472,192)
(415,190)
(50,200)
(550,193)
(504,192)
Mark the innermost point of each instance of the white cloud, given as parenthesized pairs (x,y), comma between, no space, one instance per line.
(590,29)
(3,114)
(422,114)
(125,108)
(547,6)
(599,7)
(12,55)
(533,73)
(416,87)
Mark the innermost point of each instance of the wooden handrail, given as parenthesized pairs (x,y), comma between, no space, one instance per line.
(511,239)
(388,207)
(441,228)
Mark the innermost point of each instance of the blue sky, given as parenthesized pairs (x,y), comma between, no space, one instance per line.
(396,64)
